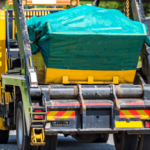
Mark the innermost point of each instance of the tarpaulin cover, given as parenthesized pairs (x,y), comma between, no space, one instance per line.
(88,38)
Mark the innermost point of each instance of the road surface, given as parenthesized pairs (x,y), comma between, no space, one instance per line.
(64,143)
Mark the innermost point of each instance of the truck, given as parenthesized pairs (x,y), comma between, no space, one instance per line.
(87,110)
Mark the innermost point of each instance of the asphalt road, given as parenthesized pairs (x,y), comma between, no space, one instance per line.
(64,143)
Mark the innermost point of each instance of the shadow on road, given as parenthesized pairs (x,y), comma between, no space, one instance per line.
(70,143)
(12,139)
(64,143)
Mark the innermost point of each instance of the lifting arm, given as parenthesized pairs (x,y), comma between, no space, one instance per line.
(139,15)
(27,67)
(2,3)
(96,3)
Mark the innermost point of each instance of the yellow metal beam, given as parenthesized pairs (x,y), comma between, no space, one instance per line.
(71,76)
(90,80)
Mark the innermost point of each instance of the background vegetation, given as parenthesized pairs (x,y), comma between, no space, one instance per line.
(108,4)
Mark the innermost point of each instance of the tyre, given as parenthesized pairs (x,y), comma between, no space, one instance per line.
(51,143)
(23,141)
(123,141)
(4,136)
(86,138)
(102,138)
(144,142)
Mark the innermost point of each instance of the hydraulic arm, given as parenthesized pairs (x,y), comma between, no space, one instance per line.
(27,67)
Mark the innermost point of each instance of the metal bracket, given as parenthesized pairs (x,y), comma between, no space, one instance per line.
(33,79)
(45,95)
(114,97)
(83,107)
(146,94)
(37,139)
(81,99)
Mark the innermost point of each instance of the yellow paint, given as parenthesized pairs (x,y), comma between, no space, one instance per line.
(3,58)
(33,13)
(66,115)
(30,61)
(115,80)
(69,76)
(27,15)
(36,13)
(131,124)
(7,97)
(13,29)
(10,63)
(37,138)
(2,127)
(127,114)
(46,9)
(82,76)
(40,120)
(30,14)
(40,67)
(51,115)
(143,114)
(65,79)
(90,81)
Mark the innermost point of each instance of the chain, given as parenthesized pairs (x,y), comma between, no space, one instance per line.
(127,9)
(124,9)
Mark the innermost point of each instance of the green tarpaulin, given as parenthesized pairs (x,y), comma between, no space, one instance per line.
(88,38)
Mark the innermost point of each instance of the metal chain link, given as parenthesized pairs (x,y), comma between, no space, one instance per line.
(127,9)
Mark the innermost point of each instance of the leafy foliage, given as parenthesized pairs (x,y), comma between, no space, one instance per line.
(108,4)
(118,5)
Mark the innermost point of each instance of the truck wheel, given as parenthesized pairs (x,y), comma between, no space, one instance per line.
(51,143)
(102,138)
(4,135)
(123,141)
(144,142)
(23,141)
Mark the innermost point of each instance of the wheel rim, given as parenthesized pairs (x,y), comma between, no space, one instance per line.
(20,129)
